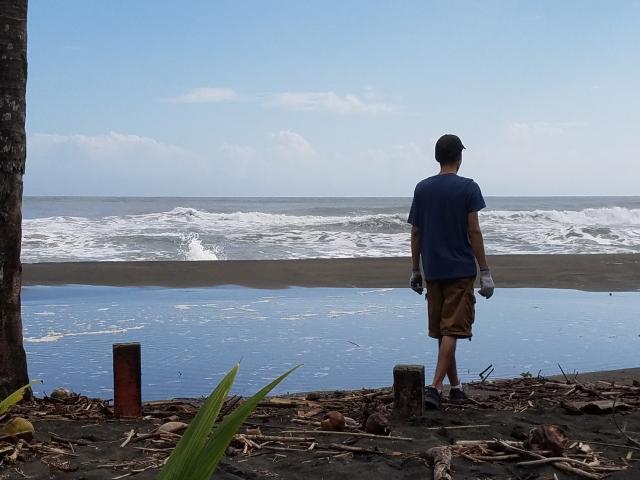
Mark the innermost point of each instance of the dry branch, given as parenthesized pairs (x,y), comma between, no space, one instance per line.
(440,457)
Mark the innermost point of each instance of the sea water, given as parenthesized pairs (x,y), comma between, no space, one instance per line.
(62,229)
(345,338)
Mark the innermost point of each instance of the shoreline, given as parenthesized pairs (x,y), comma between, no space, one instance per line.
(589,272)
(623,375)
(619,376)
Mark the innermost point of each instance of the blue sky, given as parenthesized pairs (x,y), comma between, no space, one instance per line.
(212,98)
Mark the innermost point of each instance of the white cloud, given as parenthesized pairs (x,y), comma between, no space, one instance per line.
(528,132)
(547,158)
(292,144)
(105,145)
(110,164)
(348,104)
(206,95)
(238,152)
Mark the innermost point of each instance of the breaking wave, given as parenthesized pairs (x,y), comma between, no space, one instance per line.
(184,233)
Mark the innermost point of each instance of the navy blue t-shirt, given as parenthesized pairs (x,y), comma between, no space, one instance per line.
(440,209)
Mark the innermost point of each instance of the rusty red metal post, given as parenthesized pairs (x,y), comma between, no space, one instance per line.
(127,380)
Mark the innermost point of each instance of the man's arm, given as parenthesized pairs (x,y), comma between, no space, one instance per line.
(476,240)
(477,244)
(416,276)
(415,248)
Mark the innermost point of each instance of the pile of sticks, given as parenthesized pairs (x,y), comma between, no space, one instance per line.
(579,460)
(520,395)
(76,407)
(59,453)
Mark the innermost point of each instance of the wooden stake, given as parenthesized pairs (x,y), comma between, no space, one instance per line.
(408,390)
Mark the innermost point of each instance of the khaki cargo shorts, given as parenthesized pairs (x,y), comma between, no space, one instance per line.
(451,306)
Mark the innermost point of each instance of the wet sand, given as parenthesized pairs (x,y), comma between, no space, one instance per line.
(611,272)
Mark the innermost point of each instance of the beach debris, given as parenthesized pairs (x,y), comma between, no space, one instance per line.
(333,422)
(63,465)
(253,431)
(291,426)
(564,374)
(173,427)
(377,424)
(546,437)
(19,428)
(578,462)
(13,457)
(62,394)
(440,458)
(584,447)
(347,434)
(484,375)
(351,423)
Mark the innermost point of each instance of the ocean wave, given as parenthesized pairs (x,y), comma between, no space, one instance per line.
(193,250)
(613,216)
(190,234)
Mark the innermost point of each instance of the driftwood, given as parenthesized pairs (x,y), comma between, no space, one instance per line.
(561,465)
(440,458)
(273,438)
(348,434)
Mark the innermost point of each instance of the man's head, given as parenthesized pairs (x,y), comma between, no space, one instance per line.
(449,150)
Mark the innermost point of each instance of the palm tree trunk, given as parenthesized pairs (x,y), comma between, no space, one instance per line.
(13,83)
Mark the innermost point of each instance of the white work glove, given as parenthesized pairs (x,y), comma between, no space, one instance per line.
(416,281)
(486,283)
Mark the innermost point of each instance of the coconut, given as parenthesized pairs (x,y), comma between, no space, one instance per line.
(61,393)
(377,424)
(333,421)
(547,437)
(18,427)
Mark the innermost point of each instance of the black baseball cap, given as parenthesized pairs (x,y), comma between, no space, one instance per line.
(448,147)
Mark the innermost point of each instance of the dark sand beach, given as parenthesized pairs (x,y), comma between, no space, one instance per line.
(595,272)
(90,446)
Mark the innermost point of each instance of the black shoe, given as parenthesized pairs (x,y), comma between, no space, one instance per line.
(432,399)
(457,395)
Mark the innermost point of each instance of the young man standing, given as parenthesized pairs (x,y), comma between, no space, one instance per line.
(446,234)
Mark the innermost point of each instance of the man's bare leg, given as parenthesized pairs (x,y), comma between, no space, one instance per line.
(446,362)
(452,373)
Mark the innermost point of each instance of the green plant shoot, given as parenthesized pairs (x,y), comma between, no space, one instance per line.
(15,397)
(202,446)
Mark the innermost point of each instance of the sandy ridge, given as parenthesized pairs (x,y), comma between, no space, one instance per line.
(606,272)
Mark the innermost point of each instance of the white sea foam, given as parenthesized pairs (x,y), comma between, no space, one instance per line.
(55,336)
(191,234)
